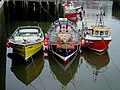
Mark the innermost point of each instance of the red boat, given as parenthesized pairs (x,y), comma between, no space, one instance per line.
(71,12)
(98,36)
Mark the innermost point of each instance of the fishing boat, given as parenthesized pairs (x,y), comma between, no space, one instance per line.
(98,36)
(26,41)
(71,12)
(96,62)
(63,40)
(63,73)
(27,72)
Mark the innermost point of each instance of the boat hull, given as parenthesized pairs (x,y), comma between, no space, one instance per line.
(64,55)
(26,51)
(71,15)
(98,45)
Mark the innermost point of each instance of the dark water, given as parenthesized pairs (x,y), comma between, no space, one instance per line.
(88,71)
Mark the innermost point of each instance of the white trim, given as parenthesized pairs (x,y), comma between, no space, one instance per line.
(97,49)
(67,65)
(88,37)
(29,30)
(64,58)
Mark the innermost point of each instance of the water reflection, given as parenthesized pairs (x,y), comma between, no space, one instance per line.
(96,62)
(27,72)
(63,73)
(116,12)
(2,50)
(31,10)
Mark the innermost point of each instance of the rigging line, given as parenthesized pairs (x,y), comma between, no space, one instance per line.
(37,72)
(107,82)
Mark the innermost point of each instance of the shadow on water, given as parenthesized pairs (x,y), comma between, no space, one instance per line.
(2,50)
(27,72)
(96,62)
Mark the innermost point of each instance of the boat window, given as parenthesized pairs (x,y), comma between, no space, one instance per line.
(101,33)
(106,32)
(96,32)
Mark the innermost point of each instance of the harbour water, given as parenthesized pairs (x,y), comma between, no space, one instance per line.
(88,71)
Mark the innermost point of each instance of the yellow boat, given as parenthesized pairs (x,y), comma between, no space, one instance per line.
(27,40)
(27,72)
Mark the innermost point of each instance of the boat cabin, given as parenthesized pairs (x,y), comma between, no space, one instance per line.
(99,31)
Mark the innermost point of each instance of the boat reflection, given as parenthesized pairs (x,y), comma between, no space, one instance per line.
(27,72)
(96,62)
(63,72)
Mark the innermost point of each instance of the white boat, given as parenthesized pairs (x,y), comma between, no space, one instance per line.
(63,39)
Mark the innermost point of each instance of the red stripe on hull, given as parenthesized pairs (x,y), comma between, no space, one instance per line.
(71,15)
(98,45)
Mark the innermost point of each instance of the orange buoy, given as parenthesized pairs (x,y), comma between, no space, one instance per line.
(82,42)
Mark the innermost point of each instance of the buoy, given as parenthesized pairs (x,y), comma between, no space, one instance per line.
(8,45)
(46,58)
(87,42)
(45,54)
(46,37)
(45,42)
(45,51)
(82,42)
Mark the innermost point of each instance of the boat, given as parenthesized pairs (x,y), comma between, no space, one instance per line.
(96,62)
(64,73)
(71,12)
(26,41)
(98,36)
(27,72)
(63,40)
